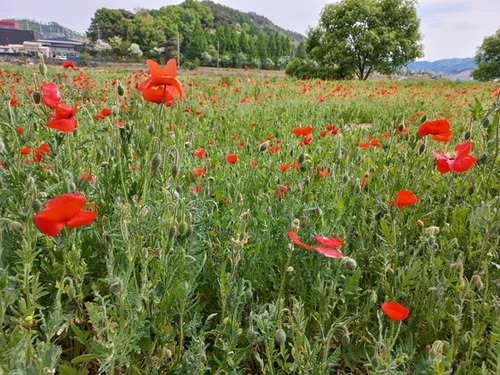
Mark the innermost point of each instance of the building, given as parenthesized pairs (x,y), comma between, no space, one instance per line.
(61,46)
(10,35)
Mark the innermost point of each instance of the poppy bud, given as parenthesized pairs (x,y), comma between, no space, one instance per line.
(172,232)
(16,227)
(379,215)
(345,340)
(458,265)
(486,122)
(37,97)
(421,148)
(291,153)
(263,147)
(36,205)
(183,228)
(350,263)
(467,135)
(401,127)
(151,129)
(302,158)
(420,223)
(187,144)
(174,171)
(72,186)
(423,119)
(471,189)
(120,90)
(189,231)
(280,336)
(155,162)
(251,335)
(42,68)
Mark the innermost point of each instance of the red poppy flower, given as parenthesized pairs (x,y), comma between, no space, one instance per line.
(303,131)
(50,95)
(63,118)
(66,209)
(231,158)
(105,112)
(69,64)
(328,245)
(199,172)
(404,198)
(283,167)
(439,129)
(161,86)
(460,162)
(395,310)
(274,149)
(199,152)
(13,101)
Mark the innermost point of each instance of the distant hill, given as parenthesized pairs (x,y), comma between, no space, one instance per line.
(224,15)
(445,66)
(48,30)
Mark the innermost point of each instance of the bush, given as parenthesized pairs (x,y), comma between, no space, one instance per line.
(307,69)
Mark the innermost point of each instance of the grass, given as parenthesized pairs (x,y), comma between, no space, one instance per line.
(188,268)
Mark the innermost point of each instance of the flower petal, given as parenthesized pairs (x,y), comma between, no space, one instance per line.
(81,218)
(395,310)
(328,241)
(328,252)
(48,226)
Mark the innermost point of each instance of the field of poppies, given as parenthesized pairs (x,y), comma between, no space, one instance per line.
(160,224)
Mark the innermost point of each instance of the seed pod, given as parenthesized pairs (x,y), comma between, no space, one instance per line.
(486,122)
(345,340)
(423,119)
(280,336)
(467,135)
(263,147)
(155,162)
(350,264)
(151,129)
(187,144)
(37,97)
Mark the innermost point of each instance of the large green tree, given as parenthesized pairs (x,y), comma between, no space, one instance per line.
(487,59)
(363,36)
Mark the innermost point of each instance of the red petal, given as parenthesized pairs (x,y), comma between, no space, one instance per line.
(295,239)
(82,218)
(328,252)
(329,241)
(463,164)
(395,310)
(405,198)
(63,207)
(47,226)
(67,125)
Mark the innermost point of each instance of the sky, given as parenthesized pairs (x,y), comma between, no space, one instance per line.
(450,28)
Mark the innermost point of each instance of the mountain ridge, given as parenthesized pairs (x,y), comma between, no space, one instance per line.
(444,66)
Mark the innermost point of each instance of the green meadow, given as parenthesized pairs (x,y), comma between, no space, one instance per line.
(256,225)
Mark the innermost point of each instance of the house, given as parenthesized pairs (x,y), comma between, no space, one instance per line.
(61,46)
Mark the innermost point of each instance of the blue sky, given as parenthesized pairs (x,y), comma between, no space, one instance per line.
(451,28)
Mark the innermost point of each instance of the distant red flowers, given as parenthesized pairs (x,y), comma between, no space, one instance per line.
(200,152)
(460,162)
(404,198)
(66,209)
(231,158)
(161,86)
(439,129)
(303,131)
(327,245)
(68,64)
(395,310)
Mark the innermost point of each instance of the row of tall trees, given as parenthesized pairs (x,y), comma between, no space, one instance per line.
(187,29)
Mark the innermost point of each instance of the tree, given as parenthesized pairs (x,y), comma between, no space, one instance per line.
(367,36)
(487,59)
(108,23)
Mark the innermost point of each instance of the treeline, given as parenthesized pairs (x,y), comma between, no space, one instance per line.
(208,35)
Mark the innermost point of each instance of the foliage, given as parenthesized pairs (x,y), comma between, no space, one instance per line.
(487,59)
(366,36)
(195,28)
(189,267)
(308,69)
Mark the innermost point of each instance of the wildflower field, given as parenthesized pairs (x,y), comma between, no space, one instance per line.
(160,224)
